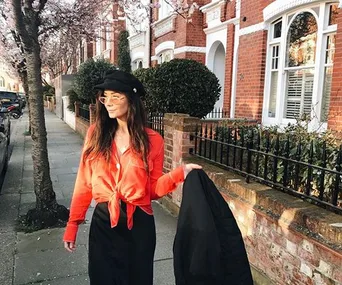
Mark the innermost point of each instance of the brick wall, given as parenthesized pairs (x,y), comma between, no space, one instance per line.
(200,57)
(277,236)
(81,126)
(228,10)
(252,12)
(335,110)
(177,130)
(251,75)
(288,241)
(185,33)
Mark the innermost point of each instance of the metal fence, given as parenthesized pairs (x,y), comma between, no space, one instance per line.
(217,113)
(155,121)
(310,170)
(84,113)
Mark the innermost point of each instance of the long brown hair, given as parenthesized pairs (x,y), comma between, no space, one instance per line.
(101,139)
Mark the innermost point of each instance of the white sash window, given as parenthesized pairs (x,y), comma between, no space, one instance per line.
(300,57)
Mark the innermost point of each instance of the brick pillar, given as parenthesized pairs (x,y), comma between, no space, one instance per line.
(177,136)
(77,109)
(335,108)
(92,113)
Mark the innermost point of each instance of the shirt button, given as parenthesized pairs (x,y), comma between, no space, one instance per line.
(118,165)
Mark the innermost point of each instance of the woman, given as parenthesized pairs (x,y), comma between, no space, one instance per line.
(121,169)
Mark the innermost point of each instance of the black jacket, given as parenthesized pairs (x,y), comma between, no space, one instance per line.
(208,247)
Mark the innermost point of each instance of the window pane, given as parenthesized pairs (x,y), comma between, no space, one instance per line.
(301,40)
(277,30)
(275,56)
(333,14)
(330,49)
(299,93)
(273,95)
(326,93)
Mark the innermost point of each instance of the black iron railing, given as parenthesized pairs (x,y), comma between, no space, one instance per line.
(310,170)
(155,121)
(84,113)
(217,113)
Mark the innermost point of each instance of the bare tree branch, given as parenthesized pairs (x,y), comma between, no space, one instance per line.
(41,6)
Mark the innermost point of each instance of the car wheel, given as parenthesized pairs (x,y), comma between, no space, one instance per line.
(15,115)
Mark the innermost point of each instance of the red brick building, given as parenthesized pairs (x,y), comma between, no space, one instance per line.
(276,60)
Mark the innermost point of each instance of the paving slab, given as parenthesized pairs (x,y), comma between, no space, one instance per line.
(72,280)
(9,205)
(164,246)
(162,273)
(38,266)
(7,247)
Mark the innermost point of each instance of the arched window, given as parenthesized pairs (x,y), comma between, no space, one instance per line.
(300,65)
(165,56)
(301,48)
(138,63)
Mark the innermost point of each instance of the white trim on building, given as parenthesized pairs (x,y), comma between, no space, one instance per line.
(189,49)
(252,29)
(164,46)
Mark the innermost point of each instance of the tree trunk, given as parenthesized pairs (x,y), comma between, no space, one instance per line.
(47,211)
(23,77)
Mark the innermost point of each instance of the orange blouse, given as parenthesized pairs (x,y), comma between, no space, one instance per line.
(125,179)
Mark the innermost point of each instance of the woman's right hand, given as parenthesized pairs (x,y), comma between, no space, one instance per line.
(69,246)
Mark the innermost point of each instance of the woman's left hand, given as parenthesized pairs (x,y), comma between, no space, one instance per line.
(190,166)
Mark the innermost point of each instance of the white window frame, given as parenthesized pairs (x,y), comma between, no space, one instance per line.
(319,66)
(164,10)
(162,56)
(98,43)
(136,63)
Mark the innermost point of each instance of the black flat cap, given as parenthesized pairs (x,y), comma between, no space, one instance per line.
(118,80)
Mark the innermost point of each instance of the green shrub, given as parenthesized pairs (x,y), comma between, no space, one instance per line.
(73,97)
(291,143)
(181,86)
(124,57)
(146,76)
(48,90)
(90,74)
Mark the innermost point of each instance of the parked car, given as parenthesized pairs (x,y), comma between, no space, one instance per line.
(5,138)
(9,98)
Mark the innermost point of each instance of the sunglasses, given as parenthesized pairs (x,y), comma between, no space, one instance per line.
(114,99)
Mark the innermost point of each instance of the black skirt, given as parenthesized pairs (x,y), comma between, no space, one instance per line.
(119,256)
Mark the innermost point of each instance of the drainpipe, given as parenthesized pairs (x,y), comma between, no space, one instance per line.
(235,59)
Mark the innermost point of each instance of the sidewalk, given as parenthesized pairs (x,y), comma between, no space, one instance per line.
(39,257)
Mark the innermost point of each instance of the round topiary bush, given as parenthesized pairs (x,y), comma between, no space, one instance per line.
(90,74)
(181,86)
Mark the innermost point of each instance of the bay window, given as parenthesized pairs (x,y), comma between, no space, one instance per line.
(300,58)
